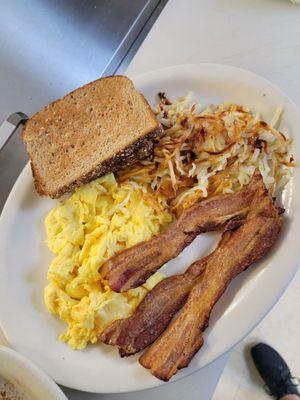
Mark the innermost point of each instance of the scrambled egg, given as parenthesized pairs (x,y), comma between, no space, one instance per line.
(97,221)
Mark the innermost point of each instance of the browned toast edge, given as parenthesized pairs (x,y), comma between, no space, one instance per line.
(137,150)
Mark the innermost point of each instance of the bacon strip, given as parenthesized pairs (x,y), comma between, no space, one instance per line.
(153,314)
(175,348)
(132,267)
(157,309)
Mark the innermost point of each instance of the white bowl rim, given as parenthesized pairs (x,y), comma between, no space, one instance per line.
(24,365)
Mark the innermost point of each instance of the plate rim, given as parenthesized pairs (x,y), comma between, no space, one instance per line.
(270,304)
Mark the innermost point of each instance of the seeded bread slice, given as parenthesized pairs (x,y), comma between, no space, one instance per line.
(101,127)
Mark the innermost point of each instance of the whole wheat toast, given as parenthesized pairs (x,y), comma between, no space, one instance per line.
(101,127)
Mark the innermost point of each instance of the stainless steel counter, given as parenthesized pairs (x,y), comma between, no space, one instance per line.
(48,48)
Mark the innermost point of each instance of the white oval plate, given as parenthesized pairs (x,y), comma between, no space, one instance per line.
(24,258)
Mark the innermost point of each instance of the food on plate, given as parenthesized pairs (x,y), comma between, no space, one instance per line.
(211,169)
(131,267)
(11,390)
(98,220)
(159,306)
(237,250)
(99,128)
(212,151)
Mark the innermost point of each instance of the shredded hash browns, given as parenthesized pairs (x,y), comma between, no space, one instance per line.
(213,151)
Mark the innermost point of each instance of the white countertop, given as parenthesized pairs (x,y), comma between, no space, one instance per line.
(259,35)
(281,329)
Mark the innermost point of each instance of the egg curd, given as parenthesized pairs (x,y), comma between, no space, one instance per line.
(97,221)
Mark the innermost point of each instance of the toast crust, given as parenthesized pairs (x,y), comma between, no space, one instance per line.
(77,166)
(139,150)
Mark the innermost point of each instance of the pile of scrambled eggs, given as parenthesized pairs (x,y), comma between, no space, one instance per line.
(97,221)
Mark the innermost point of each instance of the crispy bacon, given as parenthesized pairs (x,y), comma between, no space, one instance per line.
(156,310)
(132,267)
(153,314)
(238,249)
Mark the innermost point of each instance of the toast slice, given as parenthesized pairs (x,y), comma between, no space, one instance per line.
(101,127)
